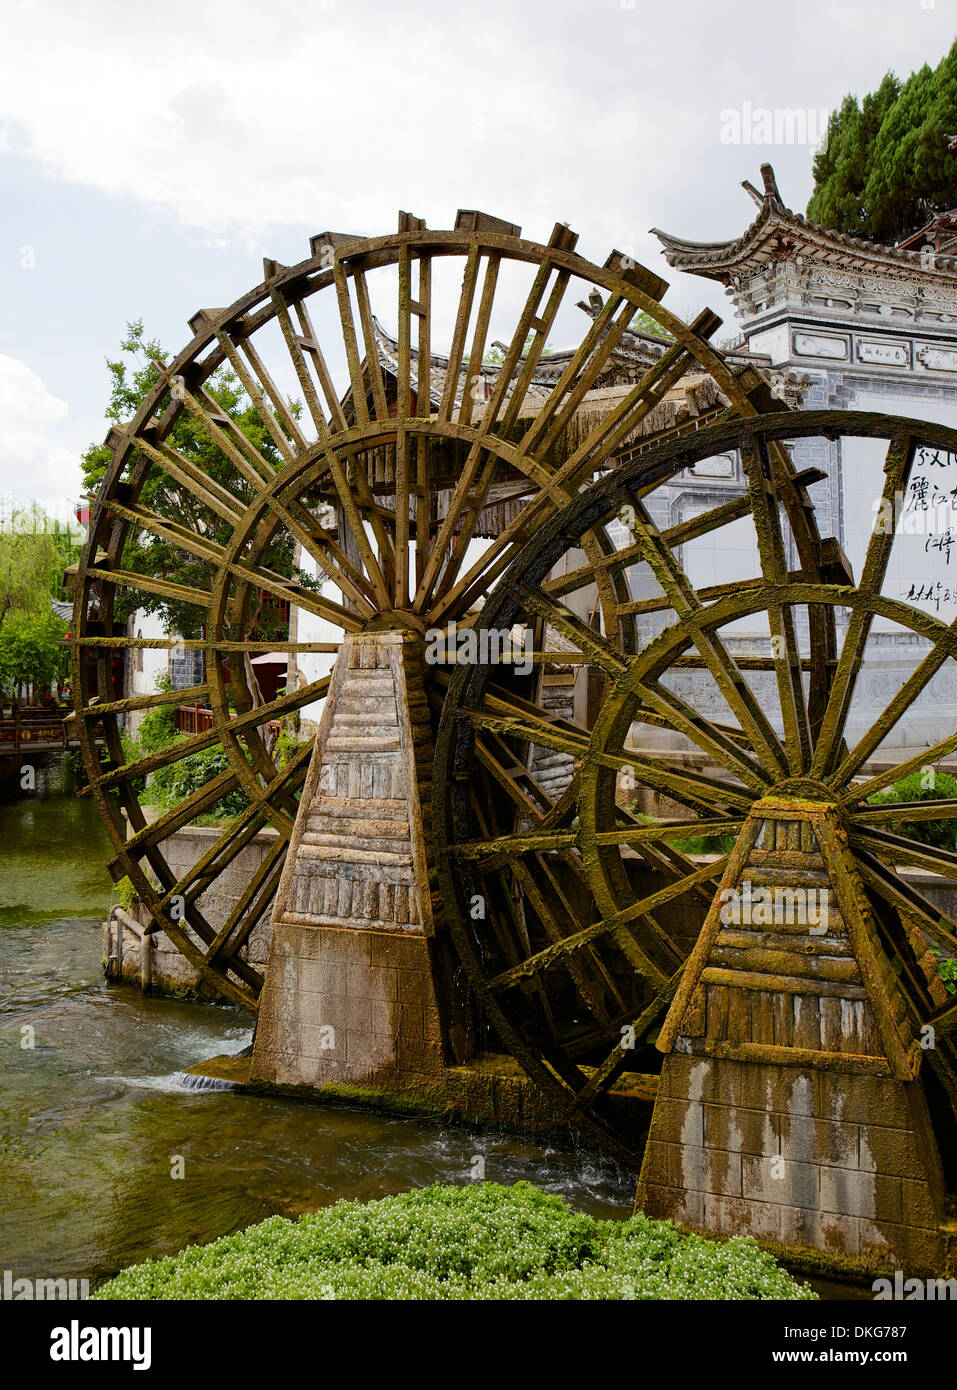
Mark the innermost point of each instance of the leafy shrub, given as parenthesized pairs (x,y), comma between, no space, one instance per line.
(941,834)
(947,970)
(173,783)
(484,1241)
(287,747)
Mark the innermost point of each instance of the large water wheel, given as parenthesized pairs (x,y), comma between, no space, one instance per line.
(404,481)
(715,756)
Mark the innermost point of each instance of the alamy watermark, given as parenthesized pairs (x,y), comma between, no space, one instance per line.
(907,1290)
(774,125)
(22,1288)
(488,647)
(748,906)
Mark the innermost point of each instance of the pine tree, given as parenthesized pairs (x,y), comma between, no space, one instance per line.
(886,168)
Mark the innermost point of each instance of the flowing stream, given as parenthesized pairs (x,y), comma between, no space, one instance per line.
(93,1121)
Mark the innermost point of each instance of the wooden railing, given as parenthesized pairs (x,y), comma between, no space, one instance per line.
(193,719)
(32,726)
(197,719)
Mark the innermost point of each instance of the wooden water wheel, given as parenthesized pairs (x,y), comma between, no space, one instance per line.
(714,749)
(397,484)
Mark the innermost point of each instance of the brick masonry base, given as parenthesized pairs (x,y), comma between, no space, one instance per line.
(806,1160)
(350,1006)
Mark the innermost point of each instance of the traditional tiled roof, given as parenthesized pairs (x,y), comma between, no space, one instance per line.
(777,234)
(631,358)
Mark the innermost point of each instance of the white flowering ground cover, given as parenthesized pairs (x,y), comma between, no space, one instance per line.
(484,1241)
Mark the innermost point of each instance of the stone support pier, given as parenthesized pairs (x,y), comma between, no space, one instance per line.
(351,991)
(789,1106)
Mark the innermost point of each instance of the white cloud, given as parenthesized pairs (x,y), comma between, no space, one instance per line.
(34,464)
(244,115)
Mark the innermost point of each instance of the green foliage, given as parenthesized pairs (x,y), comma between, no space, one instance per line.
(169,785)
(31,650)
(126,894)
(886,168)
(34,551)
(133,376)
(921,786)
(947,970)
(287,746)
(157,729)
(644,323)
(484,1241)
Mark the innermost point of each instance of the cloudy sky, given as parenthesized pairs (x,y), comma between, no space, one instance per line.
(151,154)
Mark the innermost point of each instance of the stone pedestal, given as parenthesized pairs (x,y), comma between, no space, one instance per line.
(351,986)
(789,1106)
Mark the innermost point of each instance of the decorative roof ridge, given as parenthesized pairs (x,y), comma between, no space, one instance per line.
(772,208)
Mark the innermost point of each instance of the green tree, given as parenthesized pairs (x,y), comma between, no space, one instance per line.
(30,553)
(32,651)
(886,168)
(133,376)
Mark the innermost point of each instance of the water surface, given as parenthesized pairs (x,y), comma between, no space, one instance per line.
(93,1122)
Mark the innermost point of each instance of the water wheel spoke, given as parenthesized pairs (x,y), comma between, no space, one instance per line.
(350,343)
(505,848)
(201,487)
(709,593)
(596,648)
(512,776)
(711,520)
(589,977)
(379,567)
(476,477)
(194,805)
(584,575)
(894,812)
(191,694)
(142,767)
(867,745)
(627,416)
(580,375)
(944,1022)
(266,397)
(695,790)
(718,660)
(897,467)
(667,830)
(600,968)
(225,434)
(333,561)
(898,849)
(180,537)
(787,658)
(860,791)
(282,704)
(530,731)
(296,595)
(463,314)
(529,320)
(616,925)
(908,900)
(373,366)
(234,839)
(724,744)
(302,347)
(250,905)
(610,1069)
(148,584)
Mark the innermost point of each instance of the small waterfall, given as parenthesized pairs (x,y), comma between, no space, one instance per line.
(194,1082)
